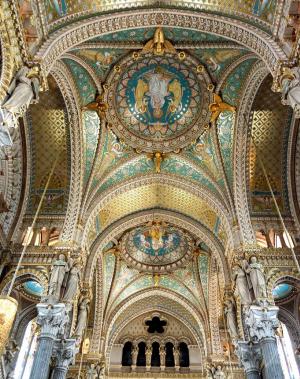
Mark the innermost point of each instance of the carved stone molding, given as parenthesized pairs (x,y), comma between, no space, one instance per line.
(63,79)
(255,78)
(254,39)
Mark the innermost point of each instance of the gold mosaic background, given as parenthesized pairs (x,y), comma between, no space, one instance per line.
(49,139)
(226,6)
(268,134)
(158,196)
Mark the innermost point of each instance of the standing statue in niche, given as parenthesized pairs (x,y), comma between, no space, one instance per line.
(23,90)
(59,269)
(231,319)
(215,372)
(72,282)
(290,86)
(241,285)
(257,278)
(82,317)
(91,372)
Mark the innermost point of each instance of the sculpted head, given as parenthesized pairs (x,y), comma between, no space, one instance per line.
(253,259)
(61,257)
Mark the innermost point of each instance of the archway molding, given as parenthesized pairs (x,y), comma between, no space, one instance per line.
(247,35)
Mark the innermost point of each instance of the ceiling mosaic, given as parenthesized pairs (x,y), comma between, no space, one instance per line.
(158,103)
(257,11)
(156,247)
(270,127)
(158,195)
(49,138)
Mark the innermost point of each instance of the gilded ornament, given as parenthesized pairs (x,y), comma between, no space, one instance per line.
(158,45)
(218,106)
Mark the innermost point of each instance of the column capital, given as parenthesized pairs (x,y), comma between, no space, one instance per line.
(249,355)
(64,352)
(52,319)
(262,322)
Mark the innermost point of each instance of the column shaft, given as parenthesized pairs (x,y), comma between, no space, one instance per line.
(59,373)
(41,363)
(271,359)
(253,375)
(51,318)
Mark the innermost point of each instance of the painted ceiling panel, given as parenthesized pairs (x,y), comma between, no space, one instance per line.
(49,138)
(270,127)
(258,10)
(160,196)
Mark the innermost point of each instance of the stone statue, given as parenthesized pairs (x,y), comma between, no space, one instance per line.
(23,89)
(290,85)
(134,355)
(219,374)
(148,355)
(59,269)
(242,287)
(231,319)
(9,355)
(215,372)
(72,282)
(91,372)
(257,278)
(82,317)
(176,356)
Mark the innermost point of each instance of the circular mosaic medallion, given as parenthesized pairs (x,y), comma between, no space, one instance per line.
(158,103)
(157,247)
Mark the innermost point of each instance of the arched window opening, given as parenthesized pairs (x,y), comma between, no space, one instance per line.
(155,357)
(141,358)
(27,351)
(170,361)
(127,354)
(184,358)
(286,354)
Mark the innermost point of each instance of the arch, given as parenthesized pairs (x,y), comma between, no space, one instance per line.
(257,75)
(127,354)
(67,88)
(24,275)
(253,38)
(164,180)
(141,217)
(22,320)
(170,360)
(151,301)
(141,357)
(184,355)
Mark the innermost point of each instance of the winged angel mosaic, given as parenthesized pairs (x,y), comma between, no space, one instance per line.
(158,95)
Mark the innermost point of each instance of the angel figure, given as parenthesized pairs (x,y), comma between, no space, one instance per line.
(159,45)
(23,89)
(218,106)
(82,317)
(72,282)
(99,106)
(58,271)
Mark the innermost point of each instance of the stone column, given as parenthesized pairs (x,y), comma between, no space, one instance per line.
(64,351)
(162,355)
(148,357)
(52,319)
(134,355)
(177,358)
(262,323)
(250,358)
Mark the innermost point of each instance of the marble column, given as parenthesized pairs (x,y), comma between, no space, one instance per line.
(162,355)
(52,319)
(176,358)
(250,357)
(134,356)
(148,357)
(262,323)
(64,353)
